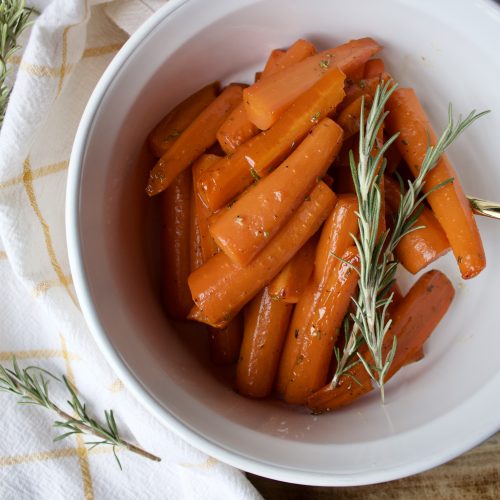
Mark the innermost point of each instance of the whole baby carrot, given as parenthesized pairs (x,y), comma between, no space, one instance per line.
(175,211)
(413,321)
(267,99)
(220,288)
(449,203)
(335,239)
(319,328)
(253,220)
(256,157)
(292,280)
(237,128)
(168,130)
(266,323)
(195,139)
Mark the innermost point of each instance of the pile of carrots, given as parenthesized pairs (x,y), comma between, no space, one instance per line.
(258,204)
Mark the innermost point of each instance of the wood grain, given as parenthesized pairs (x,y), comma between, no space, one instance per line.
(474,475)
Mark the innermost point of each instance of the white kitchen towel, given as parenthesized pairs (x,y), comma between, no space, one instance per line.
(70,45)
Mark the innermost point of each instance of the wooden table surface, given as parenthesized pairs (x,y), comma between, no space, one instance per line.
(475,475)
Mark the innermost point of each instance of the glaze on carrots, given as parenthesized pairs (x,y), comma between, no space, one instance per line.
(168,130)
(237,128)
(316,330)
(449,203)
(255,158)
(267,99)
(220,288)
(251,222)
(193,142)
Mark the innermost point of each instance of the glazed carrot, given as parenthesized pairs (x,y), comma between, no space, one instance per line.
(267,99)
(449,203)
(220,289)
(349,117)
(202,244)
(319,328)
(225,343)
(175,210)
(197,137)
(421,247)
(266,323)
(335,239)
(413,322)
(237,128)
(252,221)
(297,52)
(231,175)
(336,235)
(166,132)
(374,68)
(272,62)
(291,282)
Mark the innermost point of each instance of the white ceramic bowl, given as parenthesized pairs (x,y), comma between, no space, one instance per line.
(436,409)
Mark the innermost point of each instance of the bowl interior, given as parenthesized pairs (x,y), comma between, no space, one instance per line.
(424,418)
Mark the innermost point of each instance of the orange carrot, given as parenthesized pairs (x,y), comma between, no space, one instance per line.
(318,328)
(202,244)
(290,283)
(220,288)
(252,221)
(413,322)
(349,118)
(272,62)
(374,68)
(231,175)
(297,52)
(336,235)
(237,128)
(267,99)
(449,203)
(266,323)
(224,343)
(166,132)
(175,207)
(335,239)
(197,137)
(421,247)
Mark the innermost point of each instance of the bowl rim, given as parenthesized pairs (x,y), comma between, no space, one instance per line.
(141,392)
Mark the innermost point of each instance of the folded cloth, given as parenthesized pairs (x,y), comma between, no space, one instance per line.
(70,45)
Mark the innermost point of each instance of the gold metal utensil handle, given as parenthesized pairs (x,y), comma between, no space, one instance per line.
(484,207)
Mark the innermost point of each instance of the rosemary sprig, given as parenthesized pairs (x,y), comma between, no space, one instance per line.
(31,384)
(14,19)
(377,264)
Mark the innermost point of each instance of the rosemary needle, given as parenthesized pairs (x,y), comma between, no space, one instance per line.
(377,263)
(31,384)
(14,19)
